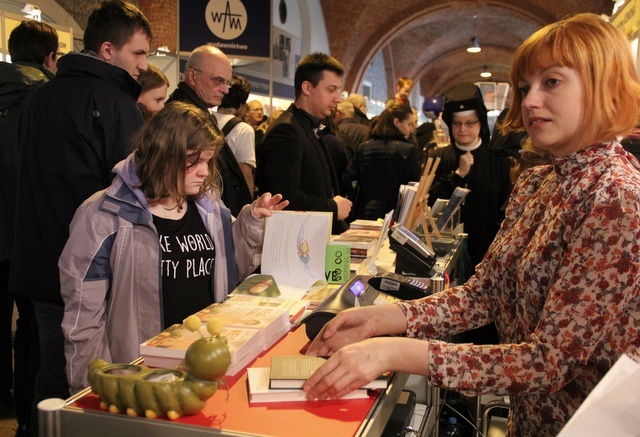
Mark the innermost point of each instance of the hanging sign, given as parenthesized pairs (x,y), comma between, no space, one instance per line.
(240,28)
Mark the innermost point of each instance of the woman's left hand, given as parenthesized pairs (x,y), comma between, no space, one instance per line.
(263,205)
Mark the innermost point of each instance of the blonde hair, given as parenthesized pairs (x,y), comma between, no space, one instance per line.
(601,55)
(265,125)
(163,146)
(403,82)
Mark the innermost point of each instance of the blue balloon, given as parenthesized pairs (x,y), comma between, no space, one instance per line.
(432,106)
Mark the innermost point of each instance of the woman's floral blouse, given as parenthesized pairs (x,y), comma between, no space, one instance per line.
(561,281)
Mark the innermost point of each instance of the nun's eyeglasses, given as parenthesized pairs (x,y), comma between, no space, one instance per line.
(467,124)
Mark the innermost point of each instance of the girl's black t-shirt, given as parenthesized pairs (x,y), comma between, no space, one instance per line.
(188,255)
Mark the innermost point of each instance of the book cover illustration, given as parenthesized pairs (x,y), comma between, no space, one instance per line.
(258,285)
(172,342)
(270,319)
(242,296)
(318,295)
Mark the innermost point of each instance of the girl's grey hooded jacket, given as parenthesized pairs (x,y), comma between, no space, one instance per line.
(110,273)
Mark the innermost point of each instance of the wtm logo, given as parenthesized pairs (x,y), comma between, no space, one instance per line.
(227,19)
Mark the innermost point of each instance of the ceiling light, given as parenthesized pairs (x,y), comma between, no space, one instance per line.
(485,72)
(475,45)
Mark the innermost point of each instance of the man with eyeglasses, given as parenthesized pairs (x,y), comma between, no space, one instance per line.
(255,113)
(207,78)
(468,162)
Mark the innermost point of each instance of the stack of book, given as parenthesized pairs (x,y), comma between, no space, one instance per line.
(251,325)
(167,349)
(361,242)
(283,380)
(370,225)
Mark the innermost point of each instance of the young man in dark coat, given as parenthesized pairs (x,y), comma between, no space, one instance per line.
(33,47)
(73,130)
(294,160)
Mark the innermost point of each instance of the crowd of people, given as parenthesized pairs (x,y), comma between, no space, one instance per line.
(101,188)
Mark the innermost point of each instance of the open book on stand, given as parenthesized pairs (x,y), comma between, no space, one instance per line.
(291,371)
(294,250)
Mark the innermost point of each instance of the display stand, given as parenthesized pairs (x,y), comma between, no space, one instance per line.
(420,208)
(229,413)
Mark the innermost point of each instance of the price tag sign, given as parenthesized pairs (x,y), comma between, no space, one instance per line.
(337,263)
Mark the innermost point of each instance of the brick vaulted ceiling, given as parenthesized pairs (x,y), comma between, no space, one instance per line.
(427,39)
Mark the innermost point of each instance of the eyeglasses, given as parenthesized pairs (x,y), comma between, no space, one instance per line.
(467,124)
(220,81)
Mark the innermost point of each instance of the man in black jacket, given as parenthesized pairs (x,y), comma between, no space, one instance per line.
(294,161)
(207,79)
(73,130)
(33,47)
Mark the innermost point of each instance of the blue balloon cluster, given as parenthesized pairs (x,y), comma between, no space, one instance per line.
(432,106)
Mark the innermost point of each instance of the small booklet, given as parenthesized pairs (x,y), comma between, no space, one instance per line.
(291,371)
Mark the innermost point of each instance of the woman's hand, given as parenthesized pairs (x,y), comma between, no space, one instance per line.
(263,205)
(349,326)
(357,324)
(356,364)
(348,369)
(465,164)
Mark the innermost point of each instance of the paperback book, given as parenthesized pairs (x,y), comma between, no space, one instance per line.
(259,391)
(291,371)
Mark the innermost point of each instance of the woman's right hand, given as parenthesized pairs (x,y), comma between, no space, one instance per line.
(465,164)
